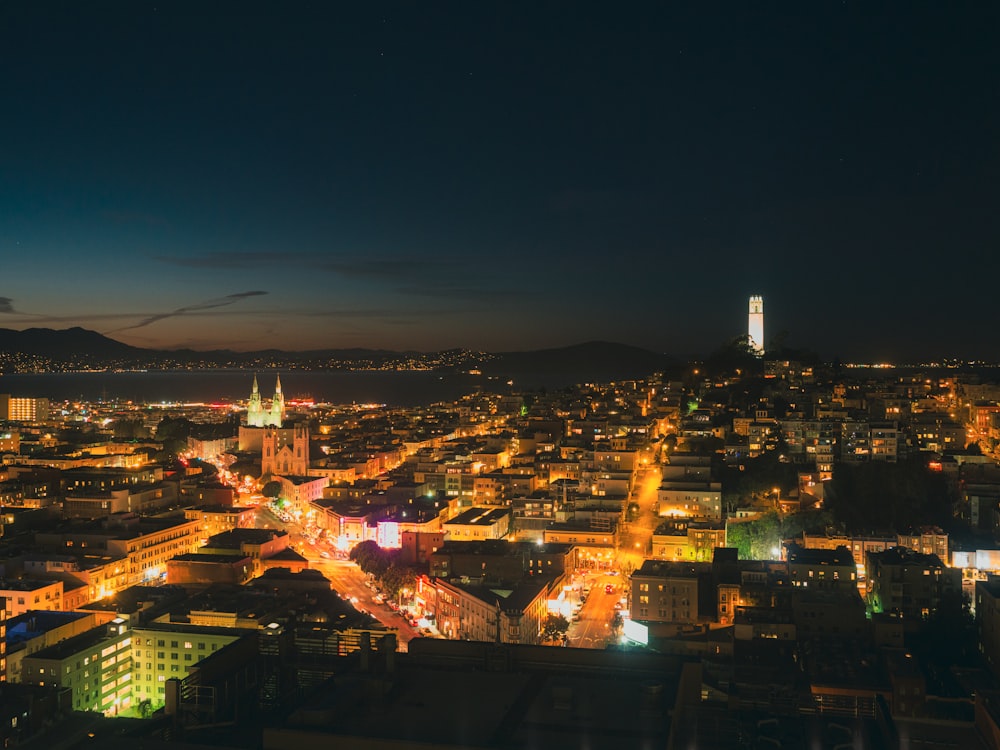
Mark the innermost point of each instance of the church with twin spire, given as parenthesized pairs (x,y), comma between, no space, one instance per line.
(270,416)
(283,448)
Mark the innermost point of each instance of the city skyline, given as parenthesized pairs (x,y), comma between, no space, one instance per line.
(500,179)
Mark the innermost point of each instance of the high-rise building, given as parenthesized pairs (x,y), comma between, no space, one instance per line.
(755,324)
(23,409)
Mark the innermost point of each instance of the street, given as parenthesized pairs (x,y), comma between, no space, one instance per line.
(636,539)
(345,577)
(591,627)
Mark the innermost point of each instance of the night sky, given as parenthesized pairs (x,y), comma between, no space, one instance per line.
(503,175)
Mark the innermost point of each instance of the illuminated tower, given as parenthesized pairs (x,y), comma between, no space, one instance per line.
(277,404)
(257,415)
(755,325)
(254,409)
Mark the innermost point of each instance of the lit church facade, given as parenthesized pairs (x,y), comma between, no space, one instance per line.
(271,416)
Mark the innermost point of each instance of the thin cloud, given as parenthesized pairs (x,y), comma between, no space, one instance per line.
(460,293)
(222,260)
(351,267)
(229,299)
(7,306)
(370,268)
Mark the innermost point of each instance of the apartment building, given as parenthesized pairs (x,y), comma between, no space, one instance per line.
(96,666)
(163,651)
(909,583)
(491,614)
(822,569)
(672,592)
(21,595)
(476,524)
(146,543)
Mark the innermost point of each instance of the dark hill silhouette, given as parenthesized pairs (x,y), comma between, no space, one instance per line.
(56,344)
(593,360)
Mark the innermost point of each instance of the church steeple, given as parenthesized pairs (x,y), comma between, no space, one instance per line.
(270,416)
(277,404)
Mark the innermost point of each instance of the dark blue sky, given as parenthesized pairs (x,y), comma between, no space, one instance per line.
(502,176)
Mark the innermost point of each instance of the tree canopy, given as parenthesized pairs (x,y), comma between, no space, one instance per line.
(889,496)
(554,627)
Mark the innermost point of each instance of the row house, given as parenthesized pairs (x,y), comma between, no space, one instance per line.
(140,499)
(687,468)
(487,459)
(609,484)
(606,459)
(821,569)
(212,447)
(24,594)
(489,614)
(104,479)
(557,469)
(909,583)
(683,541)
(885,437)
(301,490)
(475,524)
(531,514)
(859,546)
(937,432)
(146,544)
(696,500)
(347,521)
(491,489)
(256,544)
(927,540)
(92,577)
(596,540)
(673,592)
(213,519)
(207,492)
(501,561)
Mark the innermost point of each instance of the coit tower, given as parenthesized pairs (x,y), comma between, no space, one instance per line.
(755,324)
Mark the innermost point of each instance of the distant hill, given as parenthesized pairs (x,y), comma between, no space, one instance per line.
(65,343)
(593,360)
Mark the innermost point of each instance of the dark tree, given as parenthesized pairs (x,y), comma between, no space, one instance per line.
(885,496)
(554,627)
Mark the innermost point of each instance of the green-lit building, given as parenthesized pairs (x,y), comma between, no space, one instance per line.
(161,651)
(95,665)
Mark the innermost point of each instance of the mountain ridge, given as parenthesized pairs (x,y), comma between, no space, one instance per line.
(81,346)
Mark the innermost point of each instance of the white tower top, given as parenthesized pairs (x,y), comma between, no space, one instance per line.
(755,324)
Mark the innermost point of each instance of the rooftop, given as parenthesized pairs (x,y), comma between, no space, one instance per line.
(479,517)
